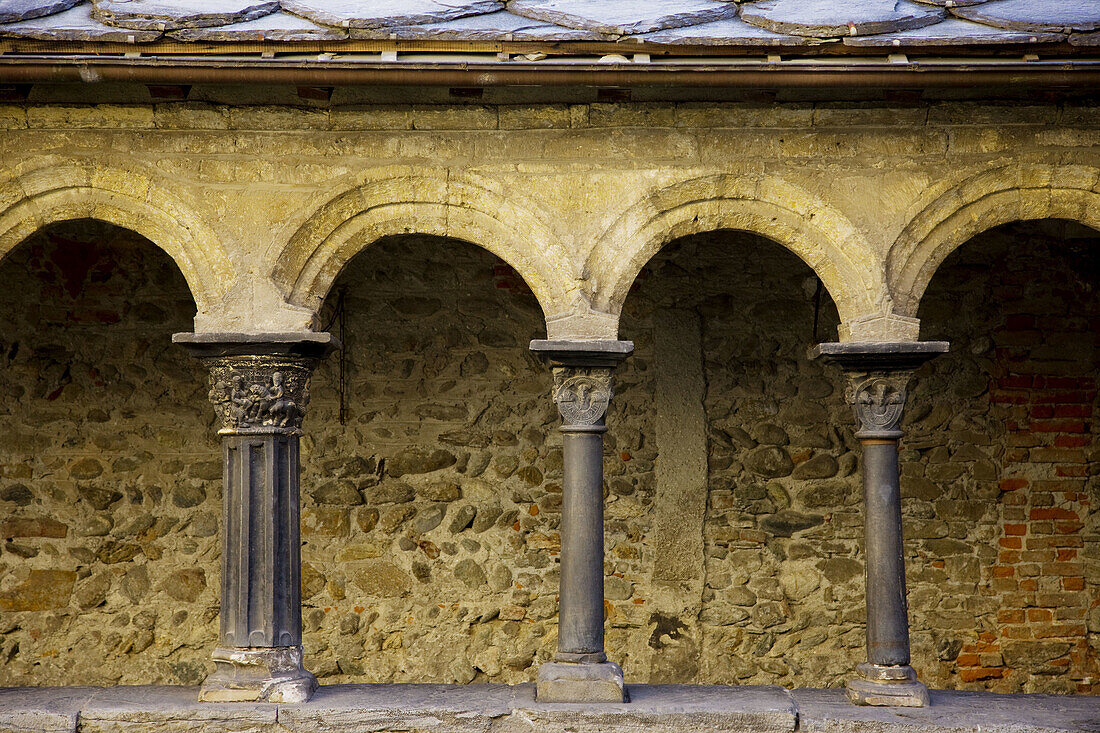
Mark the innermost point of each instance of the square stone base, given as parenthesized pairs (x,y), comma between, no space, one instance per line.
(255,674)
(580,682)
(887,687)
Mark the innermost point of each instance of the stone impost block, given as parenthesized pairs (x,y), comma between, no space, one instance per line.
(584,682)
(582,353)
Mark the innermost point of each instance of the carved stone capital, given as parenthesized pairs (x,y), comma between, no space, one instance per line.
(582,394)
(878,400)
(259,382)
(582,378)
(260,394)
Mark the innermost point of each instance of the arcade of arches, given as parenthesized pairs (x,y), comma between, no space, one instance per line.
(518,392)
(432,473)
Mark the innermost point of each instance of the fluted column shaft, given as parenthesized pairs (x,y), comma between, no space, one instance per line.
(260,391)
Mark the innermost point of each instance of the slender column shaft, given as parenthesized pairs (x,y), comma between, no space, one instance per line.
(580,671)
(886,677)
(887,619)
(580,608)
(878,374)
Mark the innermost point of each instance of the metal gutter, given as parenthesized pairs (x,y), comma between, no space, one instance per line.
(740,73)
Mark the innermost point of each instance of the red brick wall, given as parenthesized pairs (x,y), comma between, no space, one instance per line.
(1042,368)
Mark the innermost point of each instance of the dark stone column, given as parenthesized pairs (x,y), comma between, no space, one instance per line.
(580,671)
(260,390)
(878,374)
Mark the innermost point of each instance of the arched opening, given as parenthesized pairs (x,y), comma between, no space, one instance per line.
(1000,464)
(430,516)
(811,228)
(108,495)
(733,516)
(397,201)
(128,199)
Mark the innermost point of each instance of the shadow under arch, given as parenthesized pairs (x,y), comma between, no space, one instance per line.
(821,237)
(99,407)
(411,204)
(982,202)
(125,199)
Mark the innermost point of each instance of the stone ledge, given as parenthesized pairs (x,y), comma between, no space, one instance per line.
(504,709)
(827,711)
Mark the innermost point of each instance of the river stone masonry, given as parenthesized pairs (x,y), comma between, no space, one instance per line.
(430,518)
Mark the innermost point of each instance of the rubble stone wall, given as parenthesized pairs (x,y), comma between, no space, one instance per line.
(111,469)
(430,516)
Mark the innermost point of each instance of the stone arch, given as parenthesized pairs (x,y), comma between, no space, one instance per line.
(986,200)
(126,199)
(422,204)
(821,236)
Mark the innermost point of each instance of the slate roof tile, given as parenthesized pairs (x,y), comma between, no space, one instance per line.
(489,27)
(279,26)
(865,24)
(16,10)
(170,14)
(1055,16)
(387,13)
(839,18)
(624,18)
(952,32)
(727,32)
(75,24)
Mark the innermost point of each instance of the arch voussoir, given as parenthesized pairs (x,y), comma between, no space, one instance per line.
(412,204)
(821,236)
(126,199)
(1024,192)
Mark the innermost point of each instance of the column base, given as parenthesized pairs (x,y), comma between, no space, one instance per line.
(580,682)
(258,674)
(887,686)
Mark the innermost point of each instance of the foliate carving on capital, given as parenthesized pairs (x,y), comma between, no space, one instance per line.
(879,403)
(582,395)
(260,393)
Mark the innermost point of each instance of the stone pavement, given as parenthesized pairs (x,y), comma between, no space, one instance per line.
(511,709)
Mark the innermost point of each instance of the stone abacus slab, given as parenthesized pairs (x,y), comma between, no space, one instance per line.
(825,711)
(1057,16)
(15,10)
(624,18)
(280,26)
(954,32)
(386,13)
(466,709)
(75,24)
(43,709)
(163,15)
(837,18)
(169,710)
